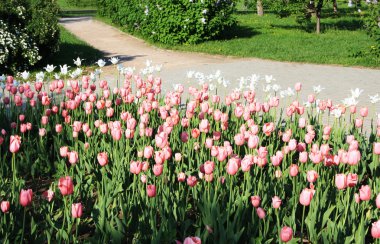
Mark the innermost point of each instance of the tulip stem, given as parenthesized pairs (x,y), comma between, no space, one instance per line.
(23,226)
(278,226)
(303,216)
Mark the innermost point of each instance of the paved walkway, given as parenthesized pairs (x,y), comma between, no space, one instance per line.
(134,52)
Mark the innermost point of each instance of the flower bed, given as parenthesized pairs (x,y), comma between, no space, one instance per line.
(129,163)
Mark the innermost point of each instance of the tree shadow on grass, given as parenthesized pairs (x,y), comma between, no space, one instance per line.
(237,31)
(350,25)
(70,51)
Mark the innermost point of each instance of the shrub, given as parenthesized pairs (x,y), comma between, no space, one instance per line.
(82,3)
(28,32)
(171,22)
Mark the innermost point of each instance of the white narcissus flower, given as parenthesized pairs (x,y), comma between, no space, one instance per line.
(50,68)
(64,69)
(269,78)
(40,76)
(356,93)
(114,60)
(148,63)
(56,76)
(318,89)
(374,99)
(78,62)
(101,63)
(25,75)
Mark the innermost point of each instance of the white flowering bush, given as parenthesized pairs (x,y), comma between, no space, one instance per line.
(28,32)
(171,22)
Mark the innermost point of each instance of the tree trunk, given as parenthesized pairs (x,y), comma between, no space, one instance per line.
(318,28)
(259,6)
(335,6)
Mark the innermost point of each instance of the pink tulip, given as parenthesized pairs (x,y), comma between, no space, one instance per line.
(157,169)
(358,123)
(341,181)
(73,157)
(364,111)
(192,240)
(354,157)
(63,151)
(66,186)
(26,197)
(151,190)
(208,167)
(365,193)
(15,143)
(204,126)
(76,210)
(303,157)
(376,148)
(312,176)
(181,177)
(232,166)
(294,169)
(378,201)
(375,229)
(148,152)
(255,201)
(268,128)
(276,202)
(260,212)
(5,206)
(286,234)
(306,196)
(177,157)
(191,181)
(239,139)
(298,87)
(352,180)
(102,158)
(48,195)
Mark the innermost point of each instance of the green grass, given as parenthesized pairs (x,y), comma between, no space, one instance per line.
(270,37)
(71,48)
(64,5)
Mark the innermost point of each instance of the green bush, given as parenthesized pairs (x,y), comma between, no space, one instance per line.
(29,32)
(171,21)
(82,3)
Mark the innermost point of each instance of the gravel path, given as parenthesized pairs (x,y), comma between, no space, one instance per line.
(134,52)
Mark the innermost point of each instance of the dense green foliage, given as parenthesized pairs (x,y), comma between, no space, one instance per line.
(167,21)
(29,32)
(372,24)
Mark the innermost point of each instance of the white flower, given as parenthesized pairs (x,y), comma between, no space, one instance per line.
(146,11)
(269,78)
(158,68)
(49,68)
(16,83)
(93,76)
(204,11)
(349,101)
(356,93)
(64,69)
(2,85)
(283,94)
(56,76)
(337,113)
(40,76)
(276,87)
(76,73)
(2,78)
(318,89)
(114,60)
(25,75)
(211,87)
(226,83)
(148,63)
(267,88)
(98,71)
(290,92)
(203,20)
(190,74)
(176,87)
(78,62)
(101,63)
(375,98)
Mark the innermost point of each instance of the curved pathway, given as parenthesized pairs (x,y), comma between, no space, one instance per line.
(134,52)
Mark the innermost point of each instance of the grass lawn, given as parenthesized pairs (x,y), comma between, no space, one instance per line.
(71,48)
(270,37)
(66,6)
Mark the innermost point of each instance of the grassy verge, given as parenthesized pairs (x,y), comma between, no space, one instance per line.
(282,39)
